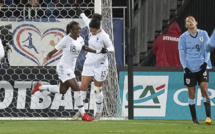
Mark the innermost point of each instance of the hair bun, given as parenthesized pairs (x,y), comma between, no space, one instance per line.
(97,16)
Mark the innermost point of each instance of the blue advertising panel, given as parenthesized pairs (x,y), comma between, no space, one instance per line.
(162,95)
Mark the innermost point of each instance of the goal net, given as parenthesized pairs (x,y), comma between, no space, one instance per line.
(32,30)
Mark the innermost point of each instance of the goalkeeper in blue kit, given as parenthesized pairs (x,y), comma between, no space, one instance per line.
(195,61)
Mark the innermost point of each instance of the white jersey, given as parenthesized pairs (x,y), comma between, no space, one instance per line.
(96,42)
(71,49)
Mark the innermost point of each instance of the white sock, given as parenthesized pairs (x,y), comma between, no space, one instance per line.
(83,96)
(79,102)
(99,102)
(50,88)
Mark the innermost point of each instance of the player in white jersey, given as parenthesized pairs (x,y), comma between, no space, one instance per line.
(71,46)
(95,65)
(1,50)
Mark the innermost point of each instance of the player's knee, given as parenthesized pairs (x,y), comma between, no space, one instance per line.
(62,91)
(97,90)
(84,87)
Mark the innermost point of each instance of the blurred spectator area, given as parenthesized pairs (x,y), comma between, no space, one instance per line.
(32,9)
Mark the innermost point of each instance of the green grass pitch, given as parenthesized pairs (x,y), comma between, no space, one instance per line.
(105,127)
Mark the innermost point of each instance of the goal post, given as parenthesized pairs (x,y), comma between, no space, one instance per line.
(98,6)
(43,27)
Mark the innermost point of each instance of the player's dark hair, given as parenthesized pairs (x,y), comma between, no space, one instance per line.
(187,17)
(70,26)
(96,21)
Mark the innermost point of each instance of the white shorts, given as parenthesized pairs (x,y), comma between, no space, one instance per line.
(64,73)
(1,50)
(99,72)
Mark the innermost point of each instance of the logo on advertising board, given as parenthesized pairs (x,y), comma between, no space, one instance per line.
(39,101)
(150,96)
(33,42)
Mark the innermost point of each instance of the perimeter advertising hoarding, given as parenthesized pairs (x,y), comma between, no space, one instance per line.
(162,95)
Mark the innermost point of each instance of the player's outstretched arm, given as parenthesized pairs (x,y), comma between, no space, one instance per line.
(88,49)
(49,55)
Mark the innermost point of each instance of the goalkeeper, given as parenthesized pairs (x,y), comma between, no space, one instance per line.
(71,46)
(95,65)
(195,61)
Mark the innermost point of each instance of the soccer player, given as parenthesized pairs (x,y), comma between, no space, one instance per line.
(195,61)
(1,50)
(71,46)
(95,65)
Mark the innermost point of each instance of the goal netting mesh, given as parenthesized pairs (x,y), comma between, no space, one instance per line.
(32,29)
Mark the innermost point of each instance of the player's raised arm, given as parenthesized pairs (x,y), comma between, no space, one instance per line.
(83,16)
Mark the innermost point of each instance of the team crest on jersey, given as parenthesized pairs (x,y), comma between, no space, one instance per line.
(205,73)
(188,81)
(33,44)
(201,39)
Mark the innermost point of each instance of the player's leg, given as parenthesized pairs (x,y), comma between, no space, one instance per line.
(100,76)
(63,76)
(99,98)
(85,81)
(190,82)
(86,78)
(62,88)
(1,50)
(192,104)
(203,80)
(206,100)
(77,96)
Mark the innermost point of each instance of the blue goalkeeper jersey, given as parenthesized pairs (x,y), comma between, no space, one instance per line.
(192,50)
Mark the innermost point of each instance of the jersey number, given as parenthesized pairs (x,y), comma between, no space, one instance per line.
(72,49)
(197,47)
(103,74)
